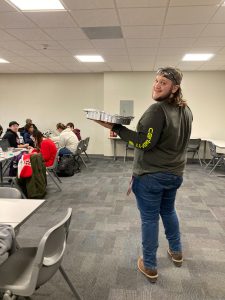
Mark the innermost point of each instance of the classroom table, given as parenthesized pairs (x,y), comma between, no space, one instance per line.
(17,211)
(115,140)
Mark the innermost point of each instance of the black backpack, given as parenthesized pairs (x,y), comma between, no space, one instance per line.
(67,166)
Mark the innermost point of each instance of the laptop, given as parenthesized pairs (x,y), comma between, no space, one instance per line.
(4,144)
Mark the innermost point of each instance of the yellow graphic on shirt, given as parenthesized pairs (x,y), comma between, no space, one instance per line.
(146,142)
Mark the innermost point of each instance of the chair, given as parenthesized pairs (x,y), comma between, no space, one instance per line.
(128,147)
(85,146)
(30,267)
(79,151)
(193,147)
(216,157)
(9,192)
(53,169)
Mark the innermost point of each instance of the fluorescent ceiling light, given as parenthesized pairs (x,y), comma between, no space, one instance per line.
(89,58)
(197,56)
(3,61)
(38,4)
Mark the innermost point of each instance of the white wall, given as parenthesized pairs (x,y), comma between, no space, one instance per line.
(52,98)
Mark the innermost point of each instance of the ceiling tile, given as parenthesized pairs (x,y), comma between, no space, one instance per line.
(51,19)
(84,51)
(98,67)
(177,42)
(142,16)
(40,45)
(142,66)
(39,59)
(15,20)
(213,30)
(4,36)
(76,44)
(28,34)
(210,41)
(88,4)
(190,14)
(14,45)
(182,30)
(211,68)
(219,17)
(172,51)
(142,43)
(63,34)
(5,7)
(141,3)
(112,51)
(204,49)
(94,17)
(194,2)
(142,51)
(52,52)
(148,59)
(116,58)
(26,53)
(141,31)
(111,43)
(121,66)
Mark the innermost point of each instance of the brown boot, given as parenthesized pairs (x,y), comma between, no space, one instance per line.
(150,273)
(176,257)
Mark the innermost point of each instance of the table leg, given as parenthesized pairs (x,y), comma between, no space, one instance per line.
(114,149)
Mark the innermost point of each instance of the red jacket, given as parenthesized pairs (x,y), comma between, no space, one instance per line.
(48,151)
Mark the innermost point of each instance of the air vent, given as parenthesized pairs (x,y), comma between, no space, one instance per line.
(93,33)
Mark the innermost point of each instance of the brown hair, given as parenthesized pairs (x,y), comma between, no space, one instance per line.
(70,124)
(175,75)
(177,98)
(1,130)
(28,126)
(60,126)
(38,136)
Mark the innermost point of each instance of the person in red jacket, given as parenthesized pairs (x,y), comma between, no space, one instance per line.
(46,147)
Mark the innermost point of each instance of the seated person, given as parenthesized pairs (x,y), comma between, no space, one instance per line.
(12,136)
(75,130)
(1,130)
(22,129)
(67,140)
(46,147)
(27,137)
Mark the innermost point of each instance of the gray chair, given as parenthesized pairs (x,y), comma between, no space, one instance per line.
(85,147)
(10,192)
(51,171)
(29,268)
(216,159)
(78,152)
(127,148)
(193,147)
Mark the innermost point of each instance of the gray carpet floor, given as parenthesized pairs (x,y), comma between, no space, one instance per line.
(104,241)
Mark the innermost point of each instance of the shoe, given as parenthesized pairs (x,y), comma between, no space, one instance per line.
(150,273)
(176,257)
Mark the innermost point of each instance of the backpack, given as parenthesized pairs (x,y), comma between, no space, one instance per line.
(67,166)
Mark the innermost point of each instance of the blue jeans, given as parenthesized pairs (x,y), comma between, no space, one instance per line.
(155,194)
(64,151)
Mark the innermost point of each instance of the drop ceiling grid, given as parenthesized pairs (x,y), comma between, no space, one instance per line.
(154,32)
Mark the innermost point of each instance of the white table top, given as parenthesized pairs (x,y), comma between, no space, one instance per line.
(17,211)
(9,154)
